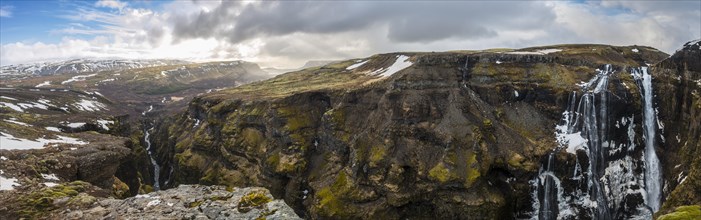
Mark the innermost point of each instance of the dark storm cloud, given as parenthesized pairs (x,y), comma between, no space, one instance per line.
(406,22)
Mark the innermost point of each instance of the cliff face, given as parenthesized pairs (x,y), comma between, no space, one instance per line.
(435,135)
(678,82)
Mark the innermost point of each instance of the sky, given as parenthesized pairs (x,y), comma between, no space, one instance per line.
(289,33)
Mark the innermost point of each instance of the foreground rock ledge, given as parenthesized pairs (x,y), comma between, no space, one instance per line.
(190,202)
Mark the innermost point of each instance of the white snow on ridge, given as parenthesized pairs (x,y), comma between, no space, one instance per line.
(360,63)
(53,129)
(12,120)
(76,124)
(538,52)
(399,64)
(89,105)
(104,123)
(78,78)
(10,142)
(45,83)
(635,50)
(8,98)
(33,105)
(11,106)
(547,51)
(20,107)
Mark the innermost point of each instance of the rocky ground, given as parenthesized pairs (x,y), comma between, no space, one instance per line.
(194,202)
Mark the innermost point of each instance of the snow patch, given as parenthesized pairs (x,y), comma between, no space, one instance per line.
(89,105)
(11,106)
(49,176)
(53,129)
(78,78)
(10,142)
(399,64)
(8,98)
(538,52)
(76,124)
(8,183)
(45,83)
(360,63)
(11,120)
(635,50)
(103,123)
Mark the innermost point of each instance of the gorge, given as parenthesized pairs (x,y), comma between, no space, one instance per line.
(577,131)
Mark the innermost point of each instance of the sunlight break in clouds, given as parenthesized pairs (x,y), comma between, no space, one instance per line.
(287,34)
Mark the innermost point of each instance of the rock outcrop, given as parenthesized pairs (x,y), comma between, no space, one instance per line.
(189,202)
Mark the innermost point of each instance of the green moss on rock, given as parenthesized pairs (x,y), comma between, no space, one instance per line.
(692,212)
(252,200)
(38,203)
(441,173)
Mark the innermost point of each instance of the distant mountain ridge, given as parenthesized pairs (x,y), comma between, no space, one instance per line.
(82,66)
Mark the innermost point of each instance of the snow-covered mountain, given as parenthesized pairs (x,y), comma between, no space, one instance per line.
(81,66)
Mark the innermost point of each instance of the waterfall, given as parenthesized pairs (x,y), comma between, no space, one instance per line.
(617,180)
(548,180)
(653,177)
(156,168)
(584,126)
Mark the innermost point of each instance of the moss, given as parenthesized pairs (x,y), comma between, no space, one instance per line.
(212,176)
(473,171)
(487,123)
(120,189)
(145,189)
(377,153)
(283,163)
(691,212)
(329,204)
(220,198)
(252,137)
(273,160)
(39,202)
(499,113)
(252,200)
(195,204)
(266,213)
(441,173)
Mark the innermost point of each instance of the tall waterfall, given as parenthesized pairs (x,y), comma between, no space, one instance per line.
(607,182)
(653,177)
(156,167)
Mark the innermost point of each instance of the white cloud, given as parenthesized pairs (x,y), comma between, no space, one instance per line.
(6,11)
(116,4)
(287,34)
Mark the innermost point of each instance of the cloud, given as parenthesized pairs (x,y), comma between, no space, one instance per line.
(6,11)
(116,4)
(288,33)
(414,22)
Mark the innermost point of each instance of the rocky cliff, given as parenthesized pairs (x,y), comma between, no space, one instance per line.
(457,134)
